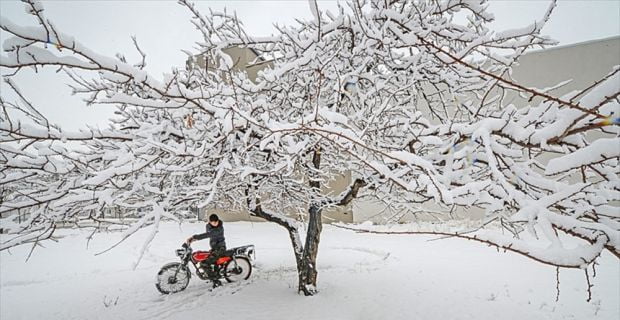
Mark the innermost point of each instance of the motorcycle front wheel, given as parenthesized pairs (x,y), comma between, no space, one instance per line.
(237,269)
(172,278)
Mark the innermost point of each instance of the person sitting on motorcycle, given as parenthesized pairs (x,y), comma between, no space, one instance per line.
(215,232)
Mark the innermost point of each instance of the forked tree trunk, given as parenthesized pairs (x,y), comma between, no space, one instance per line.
(306,254)
(307,270)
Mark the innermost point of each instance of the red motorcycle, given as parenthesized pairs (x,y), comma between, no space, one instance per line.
(235,265)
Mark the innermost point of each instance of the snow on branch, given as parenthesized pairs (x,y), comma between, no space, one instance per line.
(400,95)
(599,151)
(576,257)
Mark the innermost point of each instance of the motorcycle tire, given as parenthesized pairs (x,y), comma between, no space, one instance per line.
(170,281)
(239,271)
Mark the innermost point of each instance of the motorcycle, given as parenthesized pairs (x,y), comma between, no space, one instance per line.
(234,265)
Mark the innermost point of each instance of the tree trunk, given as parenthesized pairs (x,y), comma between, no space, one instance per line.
(298,250)
(308,273)
(306,254)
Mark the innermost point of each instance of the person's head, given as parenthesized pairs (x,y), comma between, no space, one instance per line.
(214,220)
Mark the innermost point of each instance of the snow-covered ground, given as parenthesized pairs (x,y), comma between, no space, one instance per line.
(362,276)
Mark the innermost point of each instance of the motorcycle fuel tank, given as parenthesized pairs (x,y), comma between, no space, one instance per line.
(200,255)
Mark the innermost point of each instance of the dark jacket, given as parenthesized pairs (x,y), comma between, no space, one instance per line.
(215,235)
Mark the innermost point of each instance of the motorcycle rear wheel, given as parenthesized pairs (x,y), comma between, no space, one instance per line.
(239,271)
(171,281)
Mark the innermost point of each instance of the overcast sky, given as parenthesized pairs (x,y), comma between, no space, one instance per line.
(162,29)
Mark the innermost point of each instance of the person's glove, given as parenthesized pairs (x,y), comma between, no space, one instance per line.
(189,240)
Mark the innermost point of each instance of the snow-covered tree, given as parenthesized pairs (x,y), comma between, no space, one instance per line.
(409,96)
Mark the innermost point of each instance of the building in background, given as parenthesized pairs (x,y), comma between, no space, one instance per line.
(582,63)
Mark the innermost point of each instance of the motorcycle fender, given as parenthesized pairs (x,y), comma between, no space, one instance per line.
(176,264)
(246,257)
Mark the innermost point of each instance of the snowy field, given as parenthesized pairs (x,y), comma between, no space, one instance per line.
(362,276)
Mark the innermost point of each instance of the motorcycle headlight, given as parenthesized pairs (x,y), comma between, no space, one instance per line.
(180,252)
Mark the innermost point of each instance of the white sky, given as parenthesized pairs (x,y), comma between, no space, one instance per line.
(163,29)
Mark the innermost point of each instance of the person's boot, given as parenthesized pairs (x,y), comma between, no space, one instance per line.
(216,283)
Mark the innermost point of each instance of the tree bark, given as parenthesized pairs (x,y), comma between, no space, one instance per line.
(309,273)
